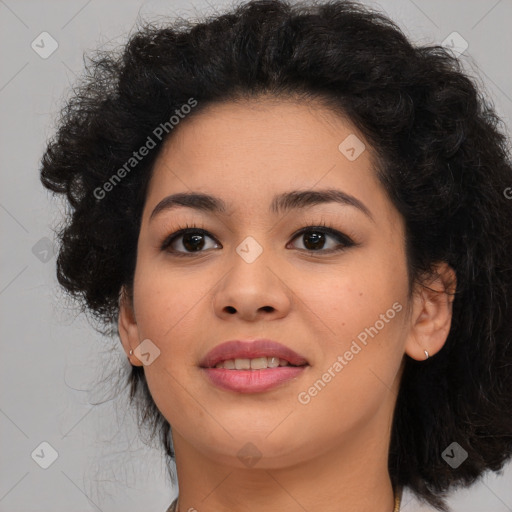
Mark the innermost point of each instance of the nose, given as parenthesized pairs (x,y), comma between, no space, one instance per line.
(252,291)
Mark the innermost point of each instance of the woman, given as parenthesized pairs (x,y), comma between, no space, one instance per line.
(299,223)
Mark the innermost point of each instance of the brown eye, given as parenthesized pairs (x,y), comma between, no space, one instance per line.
(315,238)
(187,241)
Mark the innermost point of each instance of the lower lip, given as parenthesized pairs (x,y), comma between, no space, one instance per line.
(252,381)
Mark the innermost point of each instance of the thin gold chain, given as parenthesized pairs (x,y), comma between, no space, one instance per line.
(397,494)
(398,499)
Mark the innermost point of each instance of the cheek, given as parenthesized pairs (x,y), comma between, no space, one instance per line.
(166,305)
(358,365)
(361,312)
(349,299)
(163,300)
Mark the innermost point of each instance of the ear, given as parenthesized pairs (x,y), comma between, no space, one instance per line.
(127,327)
(431,312)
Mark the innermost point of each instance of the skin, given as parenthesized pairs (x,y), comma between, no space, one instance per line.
(331,453)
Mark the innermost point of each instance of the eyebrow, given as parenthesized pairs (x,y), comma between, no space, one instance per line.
(280,203)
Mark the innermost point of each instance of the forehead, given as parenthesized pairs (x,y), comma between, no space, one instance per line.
(265,125)
(249,151)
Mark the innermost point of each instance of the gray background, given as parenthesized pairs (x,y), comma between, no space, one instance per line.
(53,362)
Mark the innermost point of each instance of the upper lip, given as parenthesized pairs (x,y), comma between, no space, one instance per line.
(239,349)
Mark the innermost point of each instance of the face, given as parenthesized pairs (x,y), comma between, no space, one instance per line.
(326,279)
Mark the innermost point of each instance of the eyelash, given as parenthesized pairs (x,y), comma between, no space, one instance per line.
(324,228)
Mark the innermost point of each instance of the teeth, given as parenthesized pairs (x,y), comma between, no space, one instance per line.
(273,362)
(230,365)
(258,363)
(242,364)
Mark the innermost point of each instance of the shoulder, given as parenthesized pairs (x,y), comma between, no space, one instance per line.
(410,503)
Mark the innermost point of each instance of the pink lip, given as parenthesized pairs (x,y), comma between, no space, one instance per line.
(237,349)
(251,381)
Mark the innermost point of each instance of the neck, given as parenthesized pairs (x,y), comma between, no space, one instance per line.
(352,475)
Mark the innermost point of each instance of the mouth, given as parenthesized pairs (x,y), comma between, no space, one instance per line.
(257,354)
(252,366)
(257,363)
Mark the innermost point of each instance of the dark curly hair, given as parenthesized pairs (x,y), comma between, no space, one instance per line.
(443,159)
